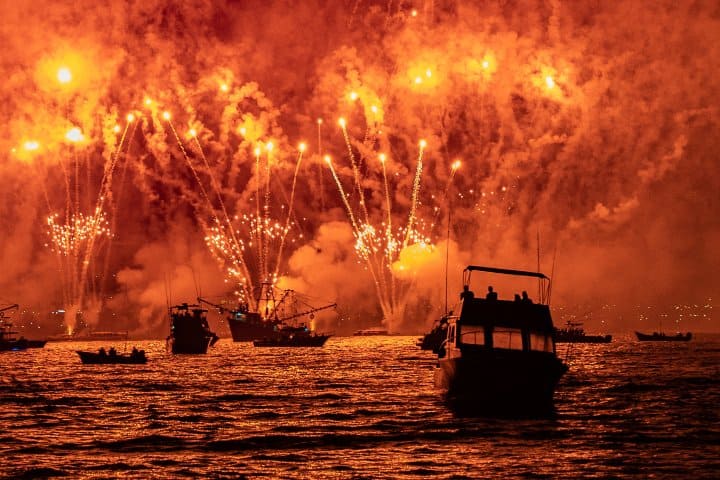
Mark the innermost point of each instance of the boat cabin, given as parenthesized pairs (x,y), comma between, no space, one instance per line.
(502,324)
(489,323)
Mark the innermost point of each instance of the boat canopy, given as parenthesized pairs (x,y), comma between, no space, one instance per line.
(505,271)
(534,317)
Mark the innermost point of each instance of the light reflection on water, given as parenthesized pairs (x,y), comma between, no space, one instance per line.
(357,407)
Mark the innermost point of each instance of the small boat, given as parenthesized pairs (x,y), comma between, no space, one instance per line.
(436,336)
(293,337)
(370,331)
(574,333)
(101,357)
(662,337)
(499,355)
(189,330)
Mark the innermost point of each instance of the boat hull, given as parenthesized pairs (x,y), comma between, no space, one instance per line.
(12,346)
(560,338)
(661,337)
(189,345)
(94,358)
(250,327)
(493,380)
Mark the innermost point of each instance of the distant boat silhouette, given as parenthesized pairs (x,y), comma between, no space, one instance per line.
(272,315)
(370,331)
(662,337)
(189,330)
(287,336)
(574,333)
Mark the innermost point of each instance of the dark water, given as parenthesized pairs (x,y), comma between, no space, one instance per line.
(357,408)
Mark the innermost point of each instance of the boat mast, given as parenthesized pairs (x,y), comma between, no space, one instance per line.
(538,266)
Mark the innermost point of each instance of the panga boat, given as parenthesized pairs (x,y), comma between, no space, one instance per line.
(370,331)
(662,337)
(189,330)
(574,333)
(112,357)
(499,355)
(293,337)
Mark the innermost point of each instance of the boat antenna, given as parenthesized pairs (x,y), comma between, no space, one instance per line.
(167,290)
(552,275)
(538,264)
(447,255)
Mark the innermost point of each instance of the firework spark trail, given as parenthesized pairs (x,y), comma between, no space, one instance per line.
(237,247)
(415,191)
(355,169)
(365,238)
(290,210)
(453,170)
(203,191)
(319,165)
(220,229)
(266,217)
(388,230)
(257,200)
(348,209)
(115,199)
(105,186)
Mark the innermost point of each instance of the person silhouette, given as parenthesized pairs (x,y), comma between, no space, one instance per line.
(517,297)
(525,297)
(492,294)
(467,294)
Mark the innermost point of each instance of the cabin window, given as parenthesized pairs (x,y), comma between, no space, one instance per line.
(541,343)
(510,338)
(472,335)
(451,334)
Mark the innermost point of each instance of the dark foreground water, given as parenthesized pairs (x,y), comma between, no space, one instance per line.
(357,408)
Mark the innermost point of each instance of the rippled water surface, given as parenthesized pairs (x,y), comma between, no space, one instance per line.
(357,408)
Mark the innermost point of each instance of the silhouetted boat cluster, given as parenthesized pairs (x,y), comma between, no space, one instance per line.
(267,327)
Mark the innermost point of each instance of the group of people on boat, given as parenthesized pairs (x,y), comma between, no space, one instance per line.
(135,353)
(468,294)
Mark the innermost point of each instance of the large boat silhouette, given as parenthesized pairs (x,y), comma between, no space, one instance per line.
(189,330)
(499,355)
(274,317)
